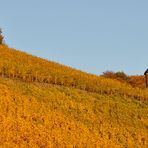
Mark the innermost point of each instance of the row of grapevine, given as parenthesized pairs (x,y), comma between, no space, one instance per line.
(16,64)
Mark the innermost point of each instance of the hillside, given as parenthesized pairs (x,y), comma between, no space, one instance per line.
(18,65)
(46,104)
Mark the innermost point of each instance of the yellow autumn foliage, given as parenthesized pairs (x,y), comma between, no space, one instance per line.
(47,105)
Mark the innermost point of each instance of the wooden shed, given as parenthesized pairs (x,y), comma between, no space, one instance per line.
(146,77)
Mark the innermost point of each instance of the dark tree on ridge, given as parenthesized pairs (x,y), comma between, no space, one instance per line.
(1,37)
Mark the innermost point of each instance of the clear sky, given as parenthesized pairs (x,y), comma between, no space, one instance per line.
(91,35)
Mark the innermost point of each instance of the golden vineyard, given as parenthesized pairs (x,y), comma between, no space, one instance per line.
(44,104)
(16,64)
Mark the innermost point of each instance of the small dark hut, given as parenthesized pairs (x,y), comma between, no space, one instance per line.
(146,77)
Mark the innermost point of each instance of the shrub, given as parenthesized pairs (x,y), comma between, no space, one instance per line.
(121,75)
(108,74)
(115,75)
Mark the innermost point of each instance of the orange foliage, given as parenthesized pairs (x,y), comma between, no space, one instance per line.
(137,81)
(45,104)
(134,81)
(39,115)
(18,65)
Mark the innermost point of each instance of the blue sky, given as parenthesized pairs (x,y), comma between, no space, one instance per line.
(91,35)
